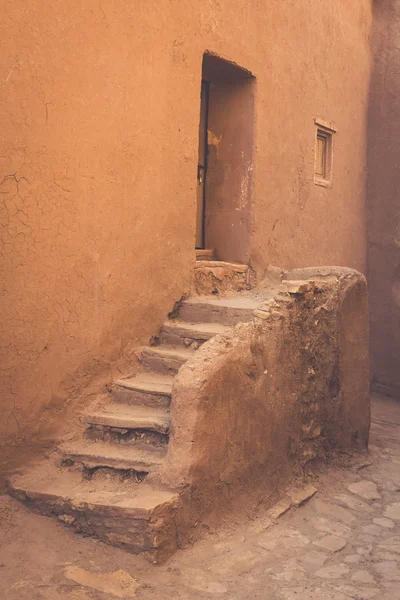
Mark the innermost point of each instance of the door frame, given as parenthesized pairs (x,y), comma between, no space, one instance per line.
(202,168)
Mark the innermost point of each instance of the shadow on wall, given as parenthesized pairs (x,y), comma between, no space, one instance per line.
(383,200)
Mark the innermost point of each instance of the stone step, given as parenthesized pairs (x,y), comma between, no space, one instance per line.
(203,254)
(141,458)
(149,389)
(227,310)
(136,517)
(125,416)
(221,264)
(176,332)
(165,359)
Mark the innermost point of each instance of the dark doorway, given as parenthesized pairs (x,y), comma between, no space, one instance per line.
(225,165)
(202,166)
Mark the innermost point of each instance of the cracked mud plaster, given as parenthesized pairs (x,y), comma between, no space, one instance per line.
(37,224)
(60,292)
(63,302)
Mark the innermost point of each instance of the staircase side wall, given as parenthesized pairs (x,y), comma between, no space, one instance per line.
(270,398)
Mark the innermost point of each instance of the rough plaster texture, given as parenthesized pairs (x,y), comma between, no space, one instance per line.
(383,200)
(99,115)
(268,399)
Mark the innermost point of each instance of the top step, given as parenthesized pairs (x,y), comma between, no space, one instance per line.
(204,254)
(220,264)
(225,310)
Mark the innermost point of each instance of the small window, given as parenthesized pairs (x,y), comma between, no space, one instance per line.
(323,153)
(322,147)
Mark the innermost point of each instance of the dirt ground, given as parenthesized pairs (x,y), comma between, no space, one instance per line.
(343,543)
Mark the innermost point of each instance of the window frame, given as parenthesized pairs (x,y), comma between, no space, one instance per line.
(324,131)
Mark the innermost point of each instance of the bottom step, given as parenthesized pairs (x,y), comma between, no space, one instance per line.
(138,518)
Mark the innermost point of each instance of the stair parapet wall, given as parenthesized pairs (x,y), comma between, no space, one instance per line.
(268,399)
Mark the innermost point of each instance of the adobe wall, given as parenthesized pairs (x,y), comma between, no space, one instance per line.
(99,114)
(383,200)
(271,399)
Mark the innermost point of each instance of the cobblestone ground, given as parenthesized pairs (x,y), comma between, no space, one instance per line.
(342,543)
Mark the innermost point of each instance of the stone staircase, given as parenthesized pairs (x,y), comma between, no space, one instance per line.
(97,482)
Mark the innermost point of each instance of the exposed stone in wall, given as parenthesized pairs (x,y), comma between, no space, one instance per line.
(214,277)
